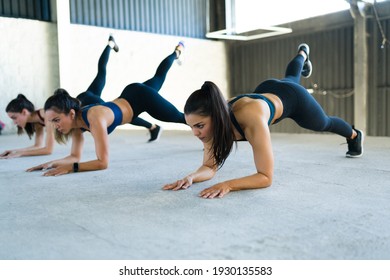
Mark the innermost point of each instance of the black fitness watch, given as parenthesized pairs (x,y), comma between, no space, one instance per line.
(76,167)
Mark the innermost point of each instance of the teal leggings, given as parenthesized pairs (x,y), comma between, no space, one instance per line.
(299,105)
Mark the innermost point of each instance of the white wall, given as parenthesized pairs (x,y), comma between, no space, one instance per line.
(29,63)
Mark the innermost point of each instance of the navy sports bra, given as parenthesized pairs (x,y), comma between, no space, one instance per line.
(253,96)
(118,116)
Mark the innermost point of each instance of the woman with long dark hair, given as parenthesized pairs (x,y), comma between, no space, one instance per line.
(218,124)
(22,112)
(100,119)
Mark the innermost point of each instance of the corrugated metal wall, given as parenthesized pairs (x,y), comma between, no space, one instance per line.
(30,9)
(379,77)
(332,75)
(172,17)
(332,57)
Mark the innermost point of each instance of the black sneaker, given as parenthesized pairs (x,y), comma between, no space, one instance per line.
(155,133)
(355,146)
(307,68)
(115,46)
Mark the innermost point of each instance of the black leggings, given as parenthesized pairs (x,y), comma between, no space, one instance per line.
(144,97)
(299,105)
(93,94)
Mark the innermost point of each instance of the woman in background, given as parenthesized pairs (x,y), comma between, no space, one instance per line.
(100,119)
(22,112)
(93,94)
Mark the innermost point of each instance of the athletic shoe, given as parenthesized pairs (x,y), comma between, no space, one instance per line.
(304,47)
(307,68)
(112,43)
(155,133)
(355,146)
(179,49)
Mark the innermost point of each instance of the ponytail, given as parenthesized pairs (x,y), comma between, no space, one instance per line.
(62,102)
(209,101)
(16,106)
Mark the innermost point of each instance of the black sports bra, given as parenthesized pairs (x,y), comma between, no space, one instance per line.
(40,117)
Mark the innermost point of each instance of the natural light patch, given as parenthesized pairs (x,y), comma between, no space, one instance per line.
(256,19)
(255,14)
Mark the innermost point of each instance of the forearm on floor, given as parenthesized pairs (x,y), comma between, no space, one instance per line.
(255,181)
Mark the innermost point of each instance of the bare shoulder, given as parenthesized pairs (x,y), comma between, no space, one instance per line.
(249,112)
(97,113)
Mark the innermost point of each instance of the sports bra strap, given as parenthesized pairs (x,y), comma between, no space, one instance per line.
(40,117)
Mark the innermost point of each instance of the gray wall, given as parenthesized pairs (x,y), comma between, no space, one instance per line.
(331,42)
(37,9)
(171,17)
(379,79)
(333,69)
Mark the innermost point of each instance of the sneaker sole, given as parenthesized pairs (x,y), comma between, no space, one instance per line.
(307,75)
(306,46)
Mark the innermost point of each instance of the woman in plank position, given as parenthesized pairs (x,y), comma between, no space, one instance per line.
(100,119)
(23,113)
(218,124)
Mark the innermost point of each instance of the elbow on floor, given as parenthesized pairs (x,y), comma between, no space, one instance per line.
(103,165)
(46,153)
(267,183)
(263,181)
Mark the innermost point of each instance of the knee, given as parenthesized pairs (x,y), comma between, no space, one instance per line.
(323,126)
(315,124)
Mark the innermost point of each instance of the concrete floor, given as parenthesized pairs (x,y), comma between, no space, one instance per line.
(321,205)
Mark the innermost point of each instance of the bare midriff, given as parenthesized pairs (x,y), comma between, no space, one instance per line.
(126,109)
(277,103)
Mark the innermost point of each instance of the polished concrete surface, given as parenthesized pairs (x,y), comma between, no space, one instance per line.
(321,205)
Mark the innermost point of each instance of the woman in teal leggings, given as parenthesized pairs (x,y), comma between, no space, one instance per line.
(218,124)
(70,119)
(93,94)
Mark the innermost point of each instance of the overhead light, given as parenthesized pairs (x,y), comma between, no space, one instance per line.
(236,31)
(256,19)
(263,32)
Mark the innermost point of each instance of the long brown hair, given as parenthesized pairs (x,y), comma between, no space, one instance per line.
(209,101)
(62,102)
(16,106)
